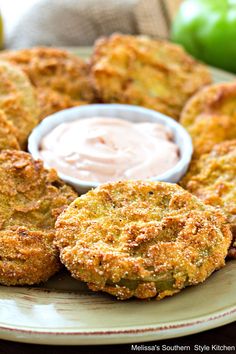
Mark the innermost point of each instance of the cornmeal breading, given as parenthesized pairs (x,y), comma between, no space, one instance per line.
(54,72)
(18,101)
(212,178)
(210,116)
(31,198)
(7,134)
(141,71)
(140,238)
(51,101)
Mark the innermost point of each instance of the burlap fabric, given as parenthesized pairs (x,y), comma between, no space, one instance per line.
(80,22)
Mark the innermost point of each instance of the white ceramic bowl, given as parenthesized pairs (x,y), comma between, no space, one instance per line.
(122,111)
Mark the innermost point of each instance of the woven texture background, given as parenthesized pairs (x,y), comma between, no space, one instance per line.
(80,22)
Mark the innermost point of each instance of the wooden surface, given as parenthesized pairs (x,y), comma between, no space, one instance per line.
(222,336)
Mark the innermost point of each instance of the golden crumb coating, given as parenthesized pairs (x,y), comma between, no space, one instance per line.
(8,134)
(141,71)
(31,198)
(141,238)
(210,116)
(54,68)
(212,178)
(51,101)
(18,101)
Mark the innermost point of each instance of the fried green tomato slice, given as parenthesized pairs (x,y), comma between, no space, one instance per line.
(210,116)
(140,238)
(18,101)
(54,68)
(141,71)
(212,178)
(51,101)
(31,198)
(8,134)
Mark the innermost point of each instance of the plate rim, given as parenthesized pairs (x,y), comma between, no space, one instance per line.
(220,316)
(132,336)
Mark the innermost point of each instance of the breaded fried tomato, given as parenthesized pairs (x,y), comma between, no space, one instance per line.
(31,198)
(141,71)
(210,116)
(8,134)
(18,101)
(54,69)
(140,238)
(212,178)
(51,101)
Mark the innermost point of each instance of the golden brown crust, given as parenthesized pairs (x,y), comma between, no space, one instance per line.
(210,116)
(141,71)
(7,134)
(142,239)
(212,179)
(54,68)
(51,101)
(31,198)
(18,101)
(27,257)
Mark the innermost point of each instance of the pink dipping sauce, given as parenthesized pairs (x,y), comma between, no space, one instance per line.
(109,149)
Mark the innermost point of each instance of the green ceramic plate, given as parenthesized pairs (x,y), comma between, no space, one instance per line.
(64,311)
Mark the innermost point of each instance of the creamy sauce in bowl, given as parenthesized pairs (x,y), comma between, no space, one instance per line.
(108,149)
